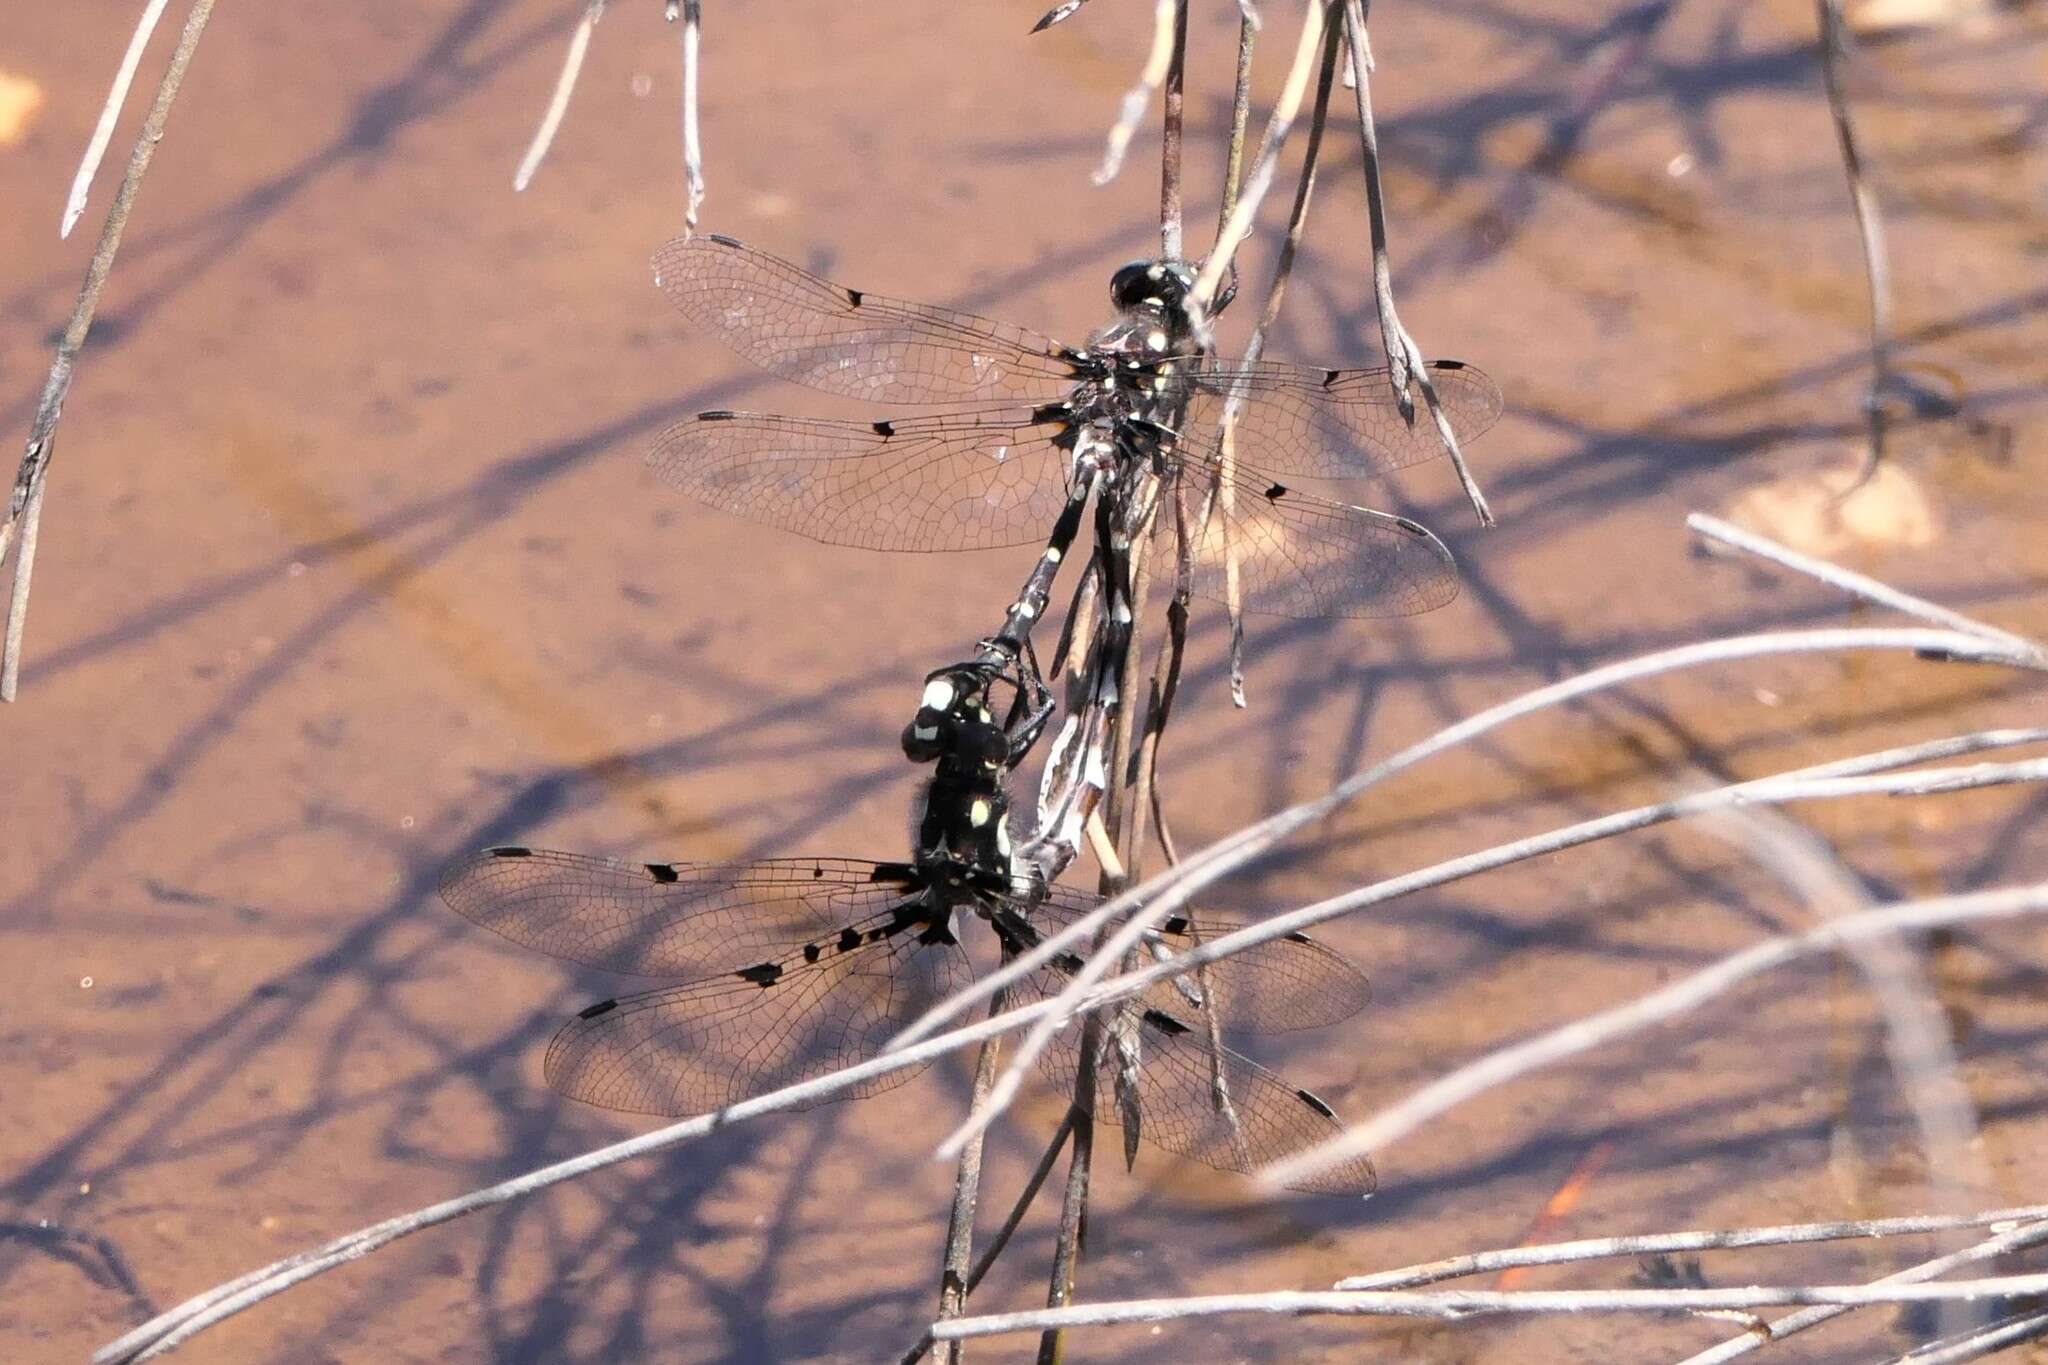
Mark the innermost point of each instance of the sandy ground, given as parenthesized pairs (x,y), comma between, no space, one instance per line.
(351,564)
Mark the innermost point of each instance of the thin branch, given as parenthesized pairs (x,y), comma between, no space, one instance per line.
(953,1280)
(17,599)
(1834,41)
(1171,216)
(1164,894)
(1240,117)
(1848,580)
(24,510)
(693,150)
(1979,1342)
(558,104)
(1680,997)
(2015,1239)
(169,1329)
(1238,224)
(110,114)
(1405,362)
(1002,1236)
(1139,98)
(1664,1243)
(1916,1035)
(1455,1304)
(1763,791)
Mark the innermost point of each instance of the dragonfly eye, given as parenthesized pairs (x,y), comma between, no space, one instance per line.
(1132,285)
(1150,284)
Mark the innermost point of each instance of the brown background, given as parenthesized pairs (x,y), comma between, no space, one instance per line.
(350,564)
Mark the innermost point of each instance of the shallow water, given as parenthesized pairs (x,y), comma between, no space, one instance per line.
(350,564)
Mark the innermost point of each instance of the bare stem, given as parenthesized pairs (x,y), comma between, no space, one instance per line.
(29,479)
(693,150)
(1405,362)
(953,1273)
(558,103)
(1664,1243)
(1171,215)
(1455,1304)
(110,115)
(1834,41)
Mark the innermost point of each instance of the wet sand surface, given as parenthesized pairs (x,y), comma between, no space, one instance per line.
(351,564)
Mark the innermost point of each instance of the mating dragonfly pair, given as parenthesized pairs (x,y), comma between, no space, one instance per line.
(791,968)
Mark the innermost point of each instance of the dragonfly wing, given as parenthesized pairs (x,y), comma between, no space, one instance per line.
(1293,554)
(699,1047)
(1264,1120)
(847,341)
(677,920)
(1289,983)
(1333,424)
(951,481)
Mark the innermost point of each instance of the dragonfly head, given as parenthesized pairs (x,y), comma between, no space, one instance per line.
(1161,286)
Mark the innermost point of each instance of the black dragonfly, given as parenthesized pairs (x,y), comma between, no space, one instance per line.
(785,969)
(1042,424)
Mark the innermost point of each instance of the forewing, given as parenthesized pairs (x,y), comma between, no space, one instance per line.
(1333,424)
(679,920)
(951,481)
(1294,554)
(699,1047)
(1275,987)
(847,341)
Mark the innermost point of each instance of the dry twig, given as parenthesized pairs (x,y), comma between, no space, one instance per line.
(24,511)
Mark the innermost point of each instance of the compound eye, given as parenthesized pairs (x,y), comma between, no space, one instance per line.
(1132,285)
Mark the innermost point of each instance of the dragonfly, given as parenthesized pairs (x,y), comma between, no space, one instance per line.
(780,970)
(1034,426)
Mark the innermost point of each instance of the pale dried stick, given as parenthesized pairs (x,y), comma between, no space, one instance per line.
(1665,1243)
(1916,1035)
(954,1286)
(1001,1239)
(25,504)
(1977,1343)
(1848,580)
(17,599)
(1175,887)
(1168,892)
(1456,1304)
(180,1323)
(1405,361)
(2017,1239)
(1834,42)
(693,150)
(1239,223)
(1762,791)
(558,105)
(1139,98)
(1680,997)
(1172,126)
(110,114)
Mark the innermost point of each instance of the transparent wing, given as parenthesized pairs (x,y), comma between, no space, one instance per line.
(1177,1103)
(847,341)
(948,481)
(679,920)
(800,966)
(1332,424)
(698,1047)
(1293,554)
(1290,983)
